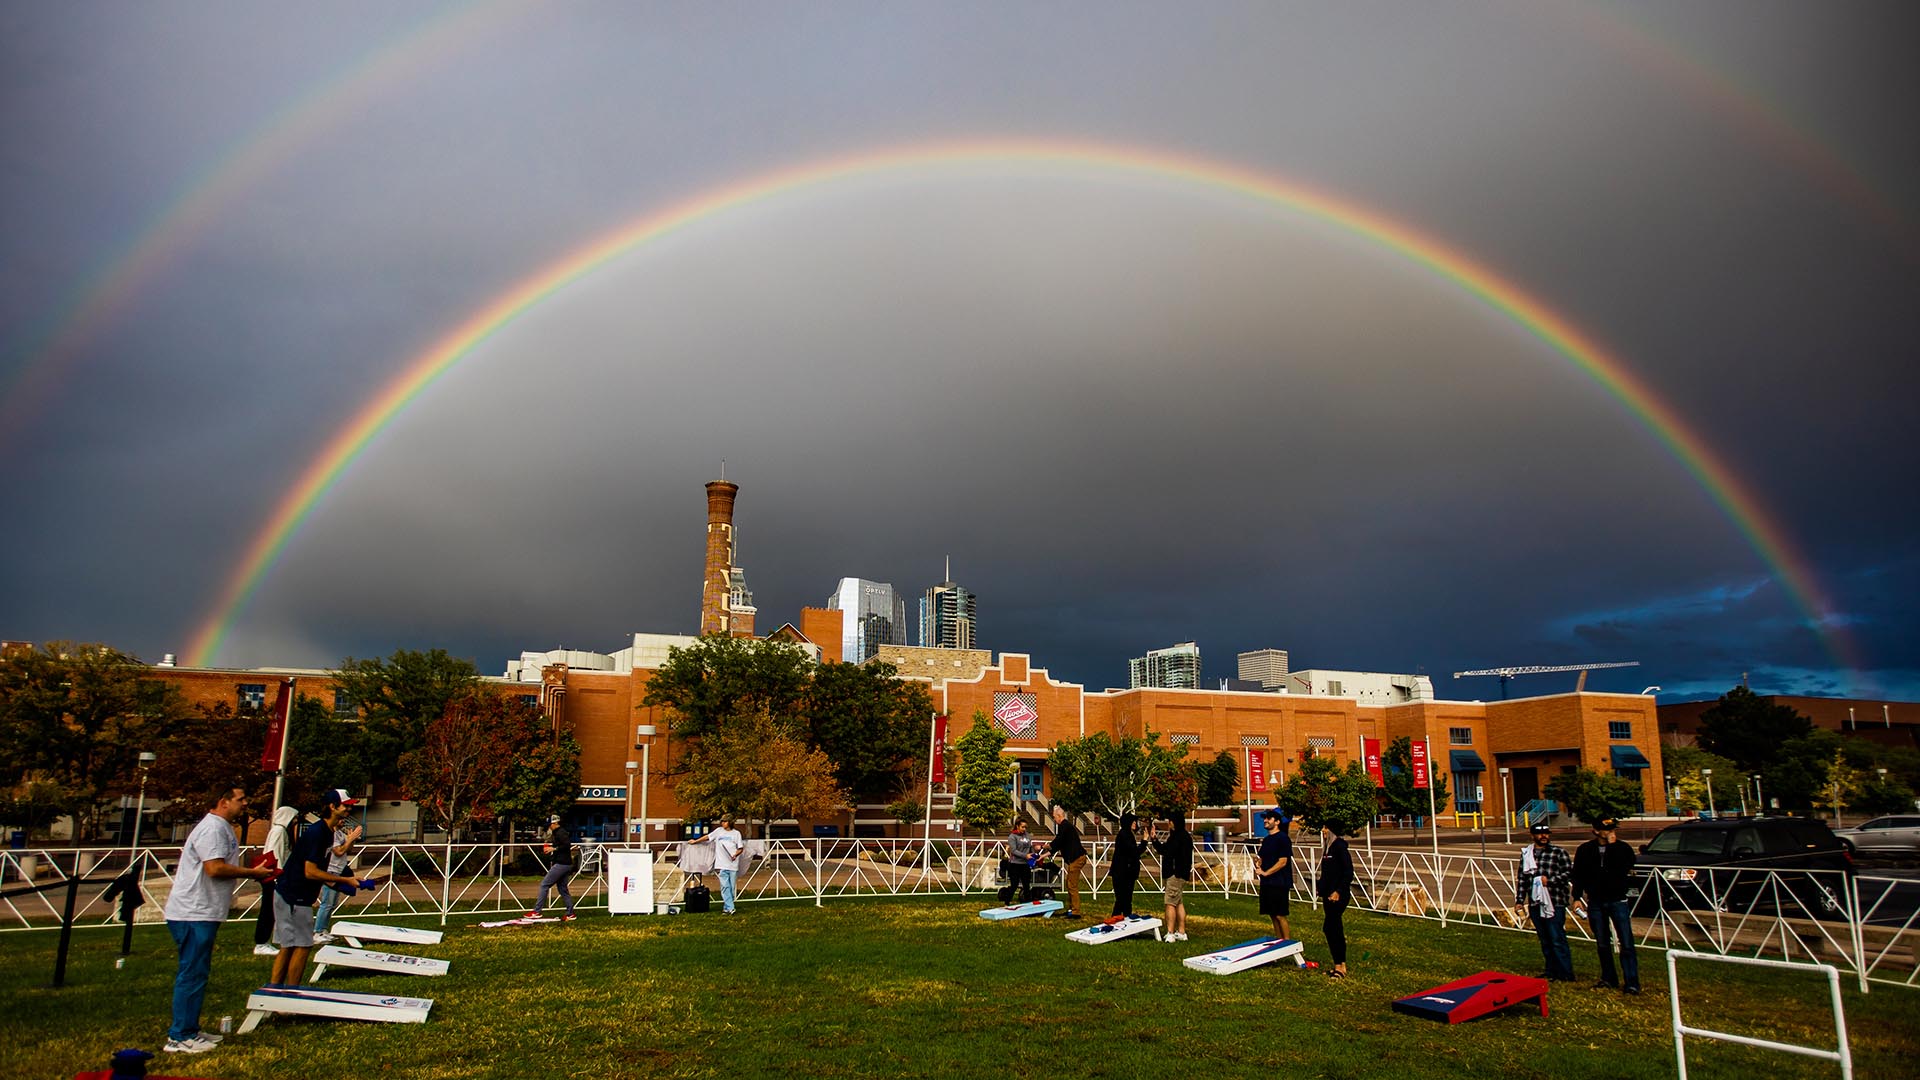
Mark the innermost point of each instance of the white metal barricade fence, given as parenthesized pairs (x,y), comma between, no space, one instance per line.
(1843,1055)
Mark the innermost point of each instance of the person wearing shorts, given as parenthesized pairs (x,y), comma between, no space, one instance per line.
(1176,870)
(297,889)
(1274,870)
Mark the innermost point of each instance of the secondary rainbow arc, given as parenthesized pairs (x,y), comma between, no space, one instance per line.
(1734,498)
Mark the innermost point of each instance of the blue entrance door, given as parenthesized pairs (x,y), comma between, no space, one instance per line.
(1029,781)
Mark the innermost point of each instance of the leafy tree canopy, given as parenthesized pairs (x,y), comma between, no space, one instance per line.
(1748,730)
(867,721)
(400,696)
(720,677)
(463,761)
(1220,780)
(1686,766)
(1100,774)
(1320,793)
(751,767)
(980,800)
(1591,795)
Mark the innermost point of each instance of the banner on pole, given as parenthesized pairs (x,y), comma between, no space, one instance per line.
(277,727)
(1420,764)
(938,774)
(1371,749)
(1256,770)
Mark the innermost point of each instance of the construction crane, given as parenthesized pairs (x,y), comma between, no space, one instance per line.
(1506,674)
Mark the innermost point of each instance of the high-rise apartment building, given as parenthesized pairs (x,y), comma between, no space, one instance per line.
(1268,667)
(1176,667)
(872,615)
(946,615)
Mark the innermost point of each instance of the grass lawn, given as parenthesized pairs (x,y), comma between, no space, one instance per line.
(924,987)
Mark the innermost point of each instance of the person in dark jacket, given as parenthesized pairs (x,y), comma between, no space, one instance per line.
(1336,892)
(1127,849)
(1073,855)
(1176,870)
(1273,868)
(559,847)
(1602,873)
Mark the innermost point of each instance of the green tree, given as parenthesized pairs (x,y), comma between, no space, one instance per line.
(1590,795)
(1687,765)
(721,677)
(1110,777)
(400,696)
(1174,791)
(1798,773)
(1403,798)
(1879,794)
(980,797)
(869,723)
(1320,793)
(1748,731)
(221,747)
(462,762)
(323,751)
(1220,779)
(78,717)
(750,766)
(545,777)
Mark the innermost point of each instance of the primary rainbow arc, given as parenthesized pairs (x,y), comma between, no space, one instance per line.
(1733,498)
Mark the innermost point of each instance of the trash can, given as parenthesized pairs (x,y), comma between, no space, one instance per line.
(826,830)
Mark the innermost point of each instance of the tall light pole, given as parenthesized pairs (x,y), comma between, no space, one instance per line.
(1759,801)
(647,732)
(140,807)
(1708,775)
(626,830)
(1506,803)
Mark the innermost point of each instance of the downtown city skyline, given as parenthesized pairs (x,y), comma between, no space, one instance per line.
(1404,338)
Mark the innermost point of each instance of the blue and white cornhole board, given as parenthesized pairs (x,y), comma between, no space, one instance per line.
(1021,911)
(367,960)
(333,1005)
(356,933)
(1131,926)
(1248,954)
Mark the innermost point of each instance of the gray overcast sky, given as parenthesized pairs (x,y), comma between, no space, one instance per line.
(1133,409)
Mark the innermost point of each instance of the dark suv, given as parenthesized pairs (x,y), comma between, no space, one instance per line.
(1745,864)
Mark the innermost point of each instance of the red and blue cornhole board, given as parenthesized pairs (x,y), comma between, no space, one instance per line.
(1474,996)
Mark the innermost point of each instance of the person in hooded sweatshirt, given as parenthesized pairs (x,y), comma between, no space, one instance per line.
(279,845)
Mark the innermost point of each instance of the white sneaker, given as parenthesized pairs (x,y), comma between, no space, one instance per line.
(266,950)
(192,1044)
(323,939)
(210,1037)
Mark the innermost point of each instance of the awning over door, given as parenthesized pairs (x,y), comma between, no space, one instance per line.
(1628,757)
(1467,761)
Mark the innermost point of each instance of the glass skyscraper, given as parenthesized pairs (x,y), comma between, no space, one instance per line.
(872,615)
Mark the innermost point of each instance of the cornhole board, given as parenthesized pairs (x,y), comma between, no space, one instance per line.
(524,920)
(1131,926)
(357,933)
(1474,996)
(366,960)
(1235,959)
(1021,911)
(333,1005)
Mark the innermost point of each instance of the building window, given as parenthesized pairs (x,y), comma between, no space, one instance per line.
(530,701)
(1466,793)
(1253,740)
(1318,744)
(1628,774)
(1182,738)
(344,707)
(253,695)
(1335,688)
(1460,736)
(1620,730)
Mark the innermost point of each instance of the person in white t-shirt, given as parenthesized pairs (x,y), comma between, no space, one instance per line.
(202,894)
(727,846)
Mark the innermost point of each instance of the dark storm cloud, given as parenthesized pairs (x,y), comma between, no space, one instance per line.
(1134,413)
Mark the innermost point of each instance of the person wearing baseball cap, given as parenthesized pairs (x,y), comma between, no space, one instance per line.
(1542,890)
(339,861)
(299,887)
(1602,873)
(1273,868)
(559,845)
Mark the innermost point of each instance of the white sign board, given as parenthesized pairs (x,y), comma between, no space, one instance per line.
(629,882)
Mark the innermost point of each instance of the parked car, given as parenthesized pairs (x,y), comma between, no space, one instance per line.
(1894,834)
(1745,864)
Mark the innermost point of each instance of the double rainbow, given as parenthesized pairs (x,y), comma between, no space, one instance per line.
(1506,298)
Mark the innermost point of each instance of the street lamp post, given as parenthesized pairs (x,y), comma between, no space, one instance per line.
(1708,775)
(626,831)
(1506,803)
(647,732)
(140,807)
(1759,800)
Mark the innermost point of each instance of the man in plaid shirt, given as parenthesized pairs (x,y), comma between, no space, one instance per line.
(1544,890)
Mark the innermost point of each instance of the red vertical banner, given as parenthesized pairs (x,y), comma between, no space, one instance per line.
(938,773)
(1370,748)
(277,728)
(1420,764)
(1256,770)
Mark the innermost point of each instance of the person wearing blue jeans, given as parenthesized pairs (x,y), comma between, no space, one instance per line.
(1543,889)
(1602,874)
(339,860)
(202,895)
(727,846)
